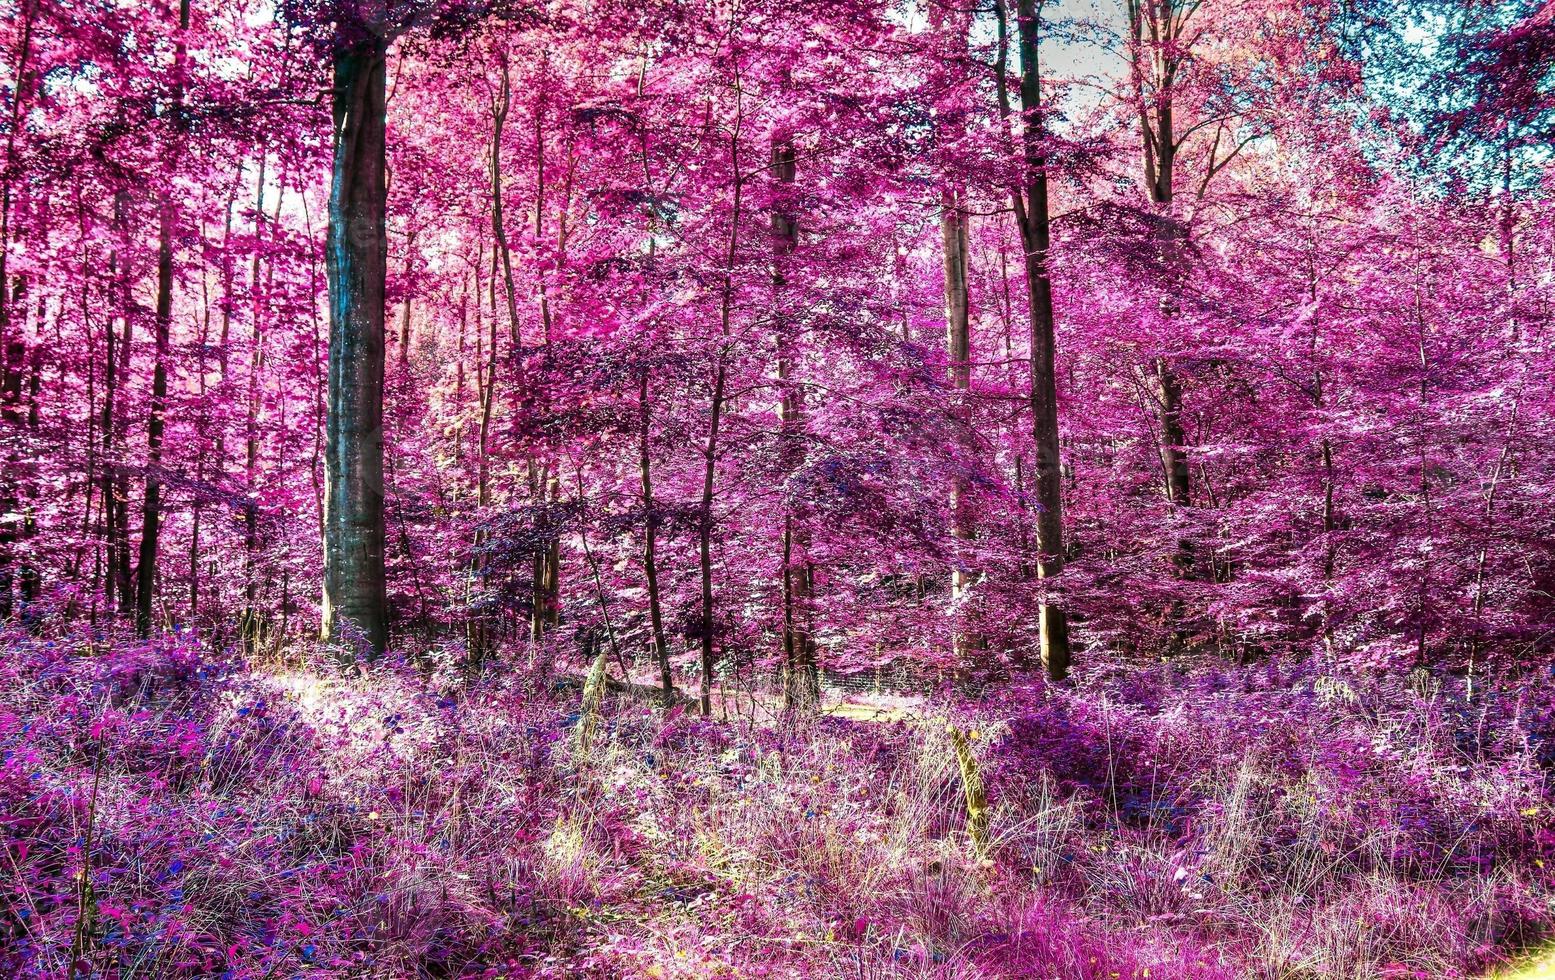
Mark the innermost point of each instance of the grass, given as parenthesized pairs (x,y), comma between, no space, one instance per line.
(1226,822)
(1536,966)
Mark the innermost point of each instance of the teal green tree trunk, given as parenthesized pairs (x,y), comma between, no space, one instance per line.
(355,607)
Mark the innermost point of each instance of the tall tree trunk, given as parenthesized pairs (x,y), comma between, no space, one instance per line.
(404,351)
(88,526)
(801,682)
(223,368)
(13,353)
(13,349)
(156,423)
(151,505)
(1505,460)
(29,576)
(954,221)
(1031,211)
(499,115)
(1318,394)
(479,634)
(478,631)
(545,584)
(120,534)
(355,592)
(958,347)
(543,475)
(1174,457)
(202,424)
(661,651)
(705,532)
(1158,25)
(715,413)
(108,425)
(251,625)
(544,566)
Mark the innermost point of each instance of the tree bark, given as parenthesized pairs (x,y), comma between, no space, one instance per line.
(1031,211)
(705,533)
(156,424)
(958,347)
(1159,24)
(954,224)
(661,651)
(107,424)
(13,354)
(13,349)
(120,534)
(499,115)
(715,416)
(545,564)
(355,592)
(252,625)
(479,632)
(404,351)
(545,584)
(801,681)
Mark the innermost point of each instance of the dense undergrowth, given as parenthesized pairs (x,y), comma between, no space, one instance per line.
(167,813)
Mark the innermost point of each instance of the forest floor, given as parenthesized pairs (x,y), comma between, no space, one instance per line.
(168,813)
(1538,966)
(748,704)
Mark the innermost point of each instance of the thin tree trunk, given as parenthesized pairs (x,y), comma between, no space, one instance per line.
(252,626)
(1159,24)
(715,415)
(121,479)
(544,566)
(1174,457)
(223,360)
(705,534)
(107,426)
(958,346)
(92,417)
(801,681)
(355,591)
(599,584)
(1325,457)
(1504,459)
(12,348)
(404,352)
(954,224)
(13,354)
(1423,441)
(499,115)
(1030,203)
(151,506)
(650,540)
(545,584)
(202,426)
(479,632)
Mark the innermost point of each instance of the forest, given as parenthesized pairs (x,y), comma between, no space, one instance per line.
(857,489)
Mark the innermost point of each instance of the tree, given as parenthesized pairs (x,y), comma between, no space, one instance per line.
(1030,204)
(955,249)
(151,508)
(1159,44)
(355,606)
